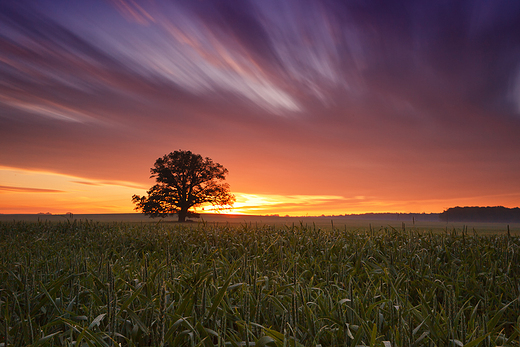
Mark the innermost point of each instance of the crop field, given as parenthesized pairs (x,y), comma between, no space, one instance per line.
(237,220)
(87,283)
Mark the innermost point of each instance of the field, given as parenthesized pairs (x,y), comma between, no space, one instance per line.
(279,222)
(216,283)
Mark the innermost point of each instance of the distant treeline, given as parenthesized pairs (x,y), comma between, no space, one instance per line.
(481,214)
(404,217)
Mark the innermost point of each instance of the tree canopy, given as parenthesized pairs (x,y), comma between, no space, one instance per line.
(481,214)
(184,180)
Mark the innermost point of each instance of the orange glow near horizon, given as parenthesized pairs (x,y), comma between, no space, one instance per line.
(26,191)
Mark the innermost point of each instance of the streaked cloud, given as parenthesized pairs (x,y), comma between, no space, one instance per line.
(133,11)
(49,109)
(29,190)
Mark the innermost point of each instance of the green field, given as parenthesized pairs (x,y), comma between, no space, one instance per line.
(278,221)
(306,282)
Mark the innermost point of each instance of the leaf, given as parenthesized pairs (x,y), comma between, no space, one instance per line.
(130,299)
(47,338)
(373,335)
(236,285)
(423,335)
(418,327)
(493,322)
(180,337)
(204,334)
(349,333)
(97,320)
(277,336)
(220,295)
(266,341)
(476,341)
(138,321)
(71,304)
(358,336)
(174,327)
(87,332)
(457,342)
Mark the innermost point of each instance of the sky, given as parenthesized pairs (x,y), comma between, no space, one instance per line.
(314,106)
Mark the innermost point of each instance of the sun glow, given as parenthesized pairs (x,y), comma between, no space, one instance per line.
(261,204)
(26,191)
(30,191)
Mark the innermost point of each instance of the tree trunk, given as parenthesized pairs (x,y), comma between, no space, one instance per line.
(182,215)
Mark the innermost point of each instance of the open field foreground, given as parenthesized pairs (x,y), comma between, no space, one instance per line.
(325,222)
(86,283)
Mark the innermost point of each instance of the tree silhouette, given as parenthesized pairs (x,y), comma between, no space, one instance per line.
(184,180)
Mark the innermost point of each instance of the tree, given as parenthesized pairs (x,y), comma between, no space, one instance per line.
(184,180)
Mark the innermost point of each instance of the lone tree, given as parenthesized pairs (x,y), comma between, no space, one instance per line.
(184,180)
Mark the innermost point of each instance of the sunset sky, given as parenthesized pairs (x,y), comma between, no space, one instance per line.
(314,106)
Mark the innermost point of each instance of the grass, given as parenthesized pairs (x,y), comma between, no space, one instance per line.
(83,283)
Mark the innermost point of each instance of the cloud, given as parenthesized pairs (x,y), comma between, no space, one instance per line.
(49,109)
(110,183)
(275,55)
(133,11)
(87,183)
(29,190)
